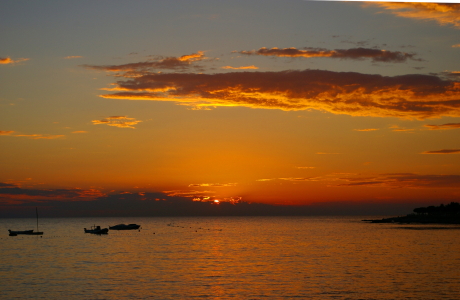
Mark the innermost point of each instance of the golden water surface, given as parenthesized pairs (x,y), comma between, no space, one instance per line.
(230,258)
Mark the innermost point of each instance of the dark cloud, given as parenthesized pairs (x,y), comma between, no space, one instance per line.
(375,55)
(158,204)
(129,204)
(453,75)
(169,63)
(357,43)
(93,203)
(12,191)
(412,96)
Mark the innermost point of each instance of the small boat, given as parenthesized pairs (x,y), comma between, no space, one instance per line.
(35,233)
(27,232)
(16,232)
(124,227)
(97,230)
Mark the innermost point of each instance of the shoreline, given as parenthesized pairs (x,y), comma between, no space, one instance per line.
(420,219)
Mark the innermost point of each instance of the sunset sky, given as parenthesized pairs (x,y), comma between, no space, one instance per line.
(278,102)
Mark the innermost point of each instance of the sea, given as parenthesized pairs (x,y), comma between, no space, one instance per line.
(229,258)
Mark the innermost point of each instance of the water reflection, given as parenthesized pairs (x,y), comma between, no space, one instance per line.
(228,258)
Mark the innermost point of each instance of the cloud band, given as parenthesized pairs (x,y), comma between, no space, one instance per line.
(410,96)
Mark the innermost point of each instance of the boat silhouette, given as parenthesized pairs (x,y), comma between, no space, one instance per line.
(26,232)
(97,230)
(124,227)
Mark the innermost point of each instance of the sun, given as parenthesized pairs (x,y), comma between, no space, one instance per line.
(216,201)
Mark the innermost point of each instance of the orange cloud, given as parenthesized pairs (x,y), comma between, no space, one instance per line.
(118,121)
(202,196)
(410,96)
(73,57)
(367,129)
(240,68)
(298,178)
(322,153)
(189,194)
(32,136)
(41,136)
(6,132)
(444,151)
(443,13)
(192,57)
(396,128)
(8,60)
(212,184)
(405,180)
(355,53)
(444,126)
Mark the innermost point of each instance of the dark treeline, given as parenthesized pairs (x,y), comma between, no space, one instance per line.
(442,214)
(450,209)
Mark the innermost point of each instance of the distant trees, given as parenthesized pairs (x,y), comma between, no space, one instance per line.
(452,208)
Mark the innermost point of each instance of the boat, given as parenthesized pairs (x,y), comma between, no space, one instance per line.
(26,232)
(124,227)
(97,230)
(16,232)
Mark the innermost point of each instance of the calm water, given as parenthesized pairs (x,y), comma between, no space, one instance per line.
(230,258)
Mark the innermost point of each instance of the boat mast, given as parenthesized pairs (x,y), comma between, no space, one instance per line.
(36,213)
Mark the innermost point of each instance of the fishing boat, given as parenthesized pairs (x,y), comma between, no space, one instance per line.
(27,232)
(97,230)
(16,232)
(124,227)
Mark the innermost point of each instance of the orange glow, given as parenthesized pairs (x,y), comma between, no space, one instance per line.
(192,57)
(219,117)
(240,68)
(8,60)
(118,121)
(443,13)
